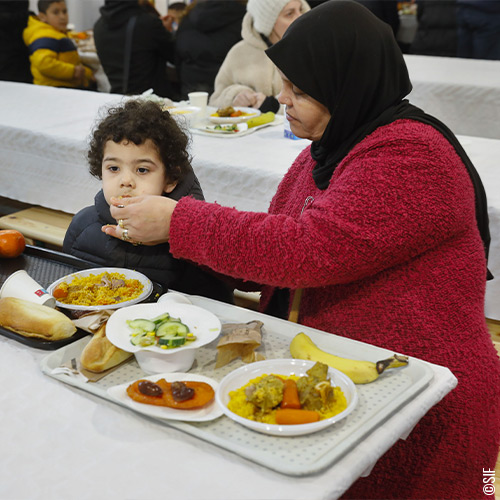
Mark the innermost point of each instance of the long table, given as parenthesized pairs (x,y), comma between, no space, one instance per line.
(43,138)
(463,93)
(63,438)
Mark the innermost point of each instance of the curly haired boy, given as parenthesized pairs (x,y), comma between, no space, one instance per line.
(138,149)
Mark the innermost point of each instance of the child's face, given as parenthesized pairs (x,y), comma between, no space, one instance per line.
(131,170)
(56,16)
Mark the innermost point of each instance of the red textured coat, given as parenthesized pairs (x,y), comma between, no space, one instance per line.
(389,254)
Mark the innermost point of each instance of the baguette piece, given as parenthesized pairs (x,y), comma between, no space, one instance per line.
(34,320)
(100,354)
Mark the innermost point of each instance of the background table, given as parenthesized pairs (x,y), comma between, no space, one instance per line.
(463,93)
(43,140)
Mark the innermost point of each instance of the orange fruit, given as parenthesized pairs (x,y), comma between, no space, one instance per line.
(12,243)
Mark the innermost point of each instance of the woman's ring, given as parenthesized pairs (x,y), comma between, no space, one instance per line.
(121,224)
(125,236)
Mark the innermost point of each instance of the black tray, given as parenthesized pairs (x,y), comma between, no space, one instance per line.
(46,266)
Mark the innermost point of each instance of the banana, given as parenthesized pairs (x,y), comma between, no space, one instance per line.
(261,119)
(360,372)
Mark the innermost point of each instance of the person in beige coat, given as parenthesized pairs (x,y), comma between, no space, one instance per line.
(247,76)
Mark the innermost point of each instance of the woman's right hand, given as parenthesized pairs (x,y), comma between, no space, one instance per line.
(145,218)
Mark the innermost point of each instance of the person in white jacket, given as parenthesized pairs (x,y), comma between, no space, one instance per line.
(247,76)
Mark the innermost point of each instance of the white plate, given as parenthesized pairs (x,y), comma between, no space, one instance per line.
(183,110)
(226,129)
(129,274)
(240,377)
(209,412)
(236,119)
(204,324)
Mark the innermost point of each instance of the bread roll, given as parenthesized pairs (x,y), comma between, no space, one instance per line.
(100,354)
(34,320)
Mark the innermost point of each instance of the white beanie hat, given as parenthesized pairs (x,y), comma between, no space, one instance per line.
(265,13)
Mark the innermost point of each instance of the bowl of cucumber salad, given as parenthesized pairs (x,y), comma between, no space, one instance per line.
(163,336)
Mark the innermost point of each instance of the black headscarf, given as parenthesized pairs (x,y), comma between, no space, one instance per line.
(347,59)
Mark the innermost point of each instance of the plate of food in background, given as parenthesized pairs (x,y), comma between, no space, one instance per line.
(233,115)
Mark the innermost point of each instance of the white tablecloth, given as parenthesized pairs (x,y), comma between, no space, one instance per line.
(463,93)
(59,442)
(43,137)
(43,140)
(91,60)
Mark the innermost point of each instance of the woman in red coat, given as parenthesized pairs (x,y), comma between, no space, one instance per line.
(382,223)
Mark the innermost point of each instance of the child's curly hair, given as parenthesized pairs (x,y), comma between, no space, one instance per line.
(136,121)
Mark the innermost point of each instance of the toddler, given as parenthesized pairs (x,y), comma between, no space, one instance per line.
(53,55)
(138,149)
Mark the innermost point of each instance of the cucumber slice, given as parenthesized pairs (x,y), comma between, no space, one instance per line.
(142,325)
(142,339)
(160,319)
(171,341)
(172,328)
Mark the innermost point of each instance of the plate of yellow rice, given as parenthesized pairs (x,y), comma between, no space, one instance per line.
(101,288)
(232,396)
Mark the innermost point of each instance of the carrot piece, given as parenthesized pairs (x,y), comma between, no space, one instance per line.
(60,293)
(291,416)
(290,395)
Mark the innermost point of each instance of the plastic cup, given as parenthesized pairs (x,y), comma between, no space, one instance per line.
(22,286)
(200,100)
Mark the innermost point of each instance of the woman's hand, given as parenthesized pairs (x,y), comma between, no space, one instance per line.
(249,98)
(142,219)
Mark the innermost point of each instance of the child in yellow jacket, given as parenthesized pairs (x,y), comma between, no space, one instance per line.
(53,55)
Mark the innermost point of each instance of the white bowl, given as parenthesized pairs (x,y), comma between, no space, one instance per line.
(158,362)
(240,377)
(152,359)
(185,115)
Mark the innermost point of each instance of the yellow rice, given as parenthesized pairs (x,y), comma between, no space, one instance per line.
(82,291)
(238,403)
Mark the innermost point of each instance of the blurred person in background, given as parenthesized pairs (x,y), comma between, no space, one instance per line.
(14,55)
(478,29)
(437,29)
(208,29)
(134,48)
(175,13)
(54,58)
(248,77)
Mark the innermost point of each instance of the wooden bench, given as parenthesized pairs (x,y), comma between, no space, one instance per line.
(39,224)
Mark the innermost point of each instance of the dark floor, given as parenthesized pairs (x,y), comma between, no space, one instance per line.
(8,206)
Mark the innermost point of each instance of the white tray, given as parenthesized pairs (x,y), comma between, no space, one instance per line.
(296,456)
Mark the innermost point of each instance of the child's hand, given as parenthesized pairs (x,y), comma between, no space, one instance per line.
(79,74)
(168,22)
